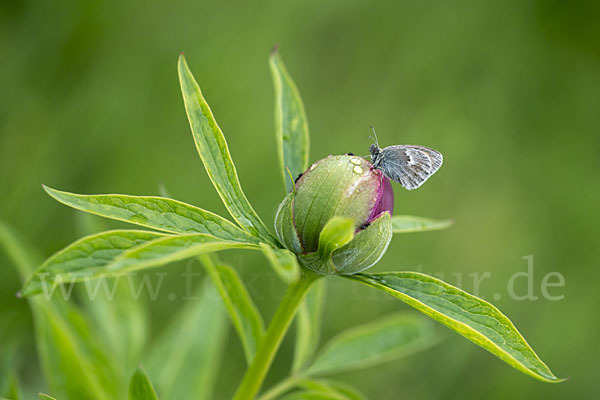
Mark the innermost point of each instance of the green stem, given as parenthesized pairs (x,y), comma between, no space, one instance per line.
(270,342)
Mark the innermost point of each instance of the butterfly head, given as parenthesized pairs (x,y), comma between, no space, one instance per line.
(374,150)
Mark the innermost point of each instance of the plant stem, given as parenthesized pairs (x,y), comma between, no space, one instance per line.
(270,342)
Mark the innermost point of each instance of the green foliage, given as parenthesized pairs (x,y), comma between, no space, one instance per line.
(120,317)
(183,362)
(283,261)
(313,395)
(308,325)
(85,258)
(337,232)
(340,389)
(75,365)
(409,224)
(118,252)
(386,339)
(140,387)
(473,318)
(243,313)
(213,151)
(291,126)
(86,350)
(14,389)
(158,213)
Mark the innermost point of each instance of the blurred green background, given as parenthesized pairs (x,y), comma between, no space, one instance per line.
(508,91)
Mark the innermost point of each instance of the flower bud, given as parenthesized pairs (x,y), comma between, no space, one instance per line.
(349,194)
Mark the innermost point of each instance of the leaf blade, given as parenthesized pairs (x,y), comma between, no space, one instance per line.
(471,317)
(337,232)
(308,325)
(379,341)
(328,386)
(213,151)
(242,311)
(409,224)
(290,122)
(140,387)
(153,212)
(193,364)
(73,362)
(169,249)
(90,252)
(283,261)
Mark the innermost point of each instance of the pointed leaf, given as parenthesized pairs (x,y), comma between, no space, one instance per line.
(46,397)
(184,361)
(81,258)
(213,151)
(125,256)
(154,212)
(243,313)
(14,389)
(166,250)
(283,261)
(290,122)
(74,364)
(313,395)
(118,312)
(121,318)
(140,387)
(337,232)
(308,325)
(328,386)
(383,340)
(472,317)
(409,223)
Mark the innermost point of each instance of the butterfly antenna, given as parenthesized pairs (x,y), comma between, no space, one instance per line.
(375,134)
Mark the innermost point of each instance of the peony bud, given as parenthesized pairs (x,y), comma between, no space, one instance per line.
(350,189)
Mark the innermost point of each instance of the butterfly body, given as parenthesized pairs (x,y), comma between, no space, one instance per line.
(408,165)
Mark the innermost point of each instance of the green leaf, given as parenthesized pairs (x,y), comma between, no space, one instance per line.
(118,252)
(337,232)
(314,395)
(45,397)
(383,340)
(120,317)
(283,261)
(408,224)
(14,388)
(290,122)
(74,364)
(24,257)
(184,361)
(285,225)
(86,255)
(154,212)
(308,325)
(166,250)
(243,313)
(213,151)
(473,318)
(140,387)
(328,386)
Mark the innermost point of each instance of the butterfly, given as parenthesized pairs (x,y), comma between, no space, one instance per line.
(408,165)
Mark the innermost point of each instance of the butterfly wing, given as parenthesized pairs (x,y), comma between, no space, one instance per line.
(409,165)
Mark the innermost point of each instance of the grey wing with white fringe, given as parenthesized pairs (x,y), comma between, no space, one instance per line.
(409,165)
